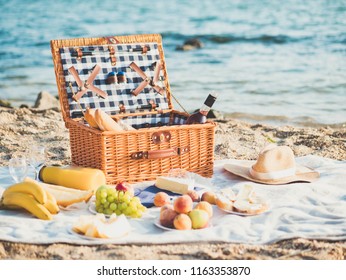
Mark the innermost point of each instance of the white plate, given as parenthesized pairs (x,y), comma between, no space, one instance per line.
(157,223)
(71,231)
(243,214)
(92,209)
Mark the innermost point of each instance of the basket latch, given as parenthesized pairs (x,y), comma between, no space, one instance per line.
(160,153)
(112,55)
(111,40)
(161,137)
(145,49)
(79,53)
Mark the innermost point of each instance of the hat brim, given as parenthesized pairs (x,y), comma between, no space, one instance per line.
(303,174)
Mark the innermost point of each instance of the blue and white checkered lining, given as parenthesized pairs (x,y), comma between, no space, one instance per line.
(154,120)
(117,93)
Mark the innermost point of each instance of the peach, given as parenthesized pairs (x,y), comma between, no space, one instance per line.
(206,206)
(209,197)
(167,217)
(161,198)
(183,204)
(194,195)
(182,222)
(199,218)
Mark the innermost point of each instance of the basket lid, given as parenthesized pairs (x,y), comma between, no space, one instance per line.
(120,74)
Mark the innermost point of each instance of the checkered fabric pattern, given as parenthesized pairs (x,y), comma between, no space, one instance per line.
(117,94)
(156,120)
(179,119)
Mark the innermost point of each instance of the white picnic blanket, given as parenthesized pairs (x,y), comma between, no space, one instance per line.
(310,210)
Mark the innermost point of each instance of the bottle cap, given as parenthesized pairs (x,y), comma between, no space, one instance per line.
(210,100)
(111,78)
(40,173)
(121,77)
(111,74)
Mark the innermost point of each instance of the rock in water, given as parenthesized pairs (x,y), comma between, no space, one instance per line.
(6,104)
(190,44)
(45,101)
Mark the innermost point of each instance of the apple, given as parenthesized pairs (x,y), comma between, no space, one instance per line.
(199,218)
(206,206)
(182,222)
(183,204)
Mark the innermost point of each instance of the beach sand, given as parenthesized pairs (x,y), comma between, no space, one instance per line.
(20,128)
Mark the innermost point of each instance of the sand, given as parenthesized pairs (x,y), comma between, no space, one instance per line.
(20,128)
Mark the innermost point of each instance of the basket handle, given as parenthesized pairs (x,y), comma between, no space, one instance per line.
(157,154)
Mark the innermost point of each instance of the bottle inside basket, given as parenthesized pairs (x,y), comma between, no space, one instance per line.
(201,116)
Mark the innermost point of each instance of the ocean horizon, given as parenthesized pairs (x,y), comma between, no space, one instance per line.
(271,61)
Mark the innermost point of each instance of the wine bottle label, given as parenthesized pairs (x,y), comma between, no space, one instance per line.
(210,101)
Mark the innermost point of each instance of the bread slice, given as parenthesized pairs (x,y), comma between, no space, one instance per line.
(246,201)
(105,122)
(223,202)
(228,192)
(246,193)
(89,116)
(250,208)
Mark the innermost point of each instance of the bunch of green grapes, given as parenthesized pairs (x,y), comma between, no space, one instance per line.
(109,201)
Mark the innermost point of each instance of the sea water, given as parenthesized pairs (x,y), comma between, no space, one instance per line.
(271,61)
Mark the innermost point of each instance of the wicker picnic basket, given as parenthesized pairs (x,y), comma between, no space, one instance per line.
(161,141)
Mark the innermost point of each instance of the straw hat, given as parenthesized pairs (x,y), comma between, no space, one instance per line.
(275,166)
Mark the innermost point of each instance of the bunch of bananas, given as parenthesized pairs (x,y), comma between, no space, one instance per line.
(32,197)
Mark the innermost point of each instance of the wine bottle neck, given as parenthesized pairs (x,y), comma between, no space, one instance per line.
(208,103)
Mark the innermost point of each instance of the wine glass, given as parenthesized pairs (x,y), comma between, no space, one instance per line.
(37,157)
(18,168)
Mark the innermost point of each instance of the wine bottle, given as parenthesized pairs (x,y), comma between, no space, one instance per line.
(201,116)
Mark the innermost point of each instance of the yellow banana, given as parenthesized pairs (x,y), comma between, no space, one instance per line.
(51,204)
(28,187)
(27,202)
(28,179)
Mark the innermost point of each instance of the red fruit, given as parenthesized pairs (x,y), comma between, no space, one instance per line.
(183,204)
(167,216)
(125,187)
